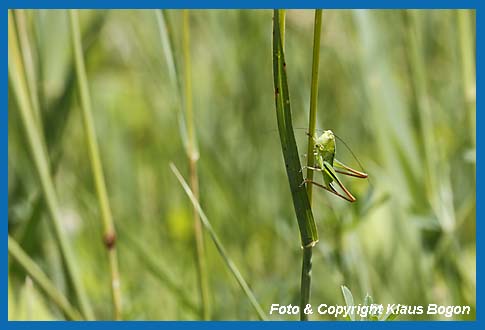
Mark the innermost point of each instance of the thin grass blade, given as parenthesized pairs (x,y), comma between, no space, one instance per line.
(97,169)
(306,222)
(222,250)
(349,300)
(42,280)
(40,157)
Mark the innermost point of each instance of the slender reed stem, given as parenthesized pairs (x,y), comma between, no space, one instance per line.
(282,21)
(173,66)
(306,267)
(312,121)
(108,224)
(36,143)
(42,280)
(468,68)
(222,251)
(306,222)
(437,178)
(28,63)
(306,280)
(418,76)
(193,156)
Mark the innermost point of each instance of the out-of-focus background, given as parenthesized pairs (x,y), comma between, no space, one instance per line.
(397,86)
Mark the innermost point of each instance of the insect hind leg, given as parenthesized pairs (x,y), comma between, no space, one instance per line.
(331,189)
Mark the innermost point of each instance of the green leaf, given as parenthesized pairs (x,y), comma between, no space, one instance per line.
(349,300)
(369,301)
(39,277)
(306,223)
(40,158)
(388,317)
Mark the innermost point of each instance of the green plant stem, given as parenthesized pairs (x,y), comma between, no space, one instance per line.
(28,63)
(167,47)
(304,215)
(306,222)
(222,251)
(418,74)
(42,280)
(312,121)
(184,95)
(468,68)
(282,24)
(306,268)
(39,154)
(437,178)
(306,280)
(56,119)
(173,66)
(192,148)
(101,191)
(193,156)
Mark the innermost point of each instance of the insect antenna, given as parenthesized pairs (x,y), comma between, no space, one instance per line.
(268,131)
(351,152)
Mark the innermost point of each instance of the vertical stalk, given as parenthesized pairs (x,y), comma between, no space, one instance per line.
(282,21)
(193,157)
(306,268)
(312,122)
(306,222)
(468,67)
(217,242)
(41,279)
(28,63)
(306,280)
(108,225)
(36,142)
(418,74)
(437,173)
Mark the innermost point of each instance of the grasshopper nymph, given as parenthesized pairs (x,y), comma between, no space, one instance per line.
(325,162)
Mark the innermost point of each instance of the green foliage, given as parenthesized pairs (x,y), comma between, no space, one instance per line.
(349,300)
(220,247)
(308,228)
(41,279)
(409,238)
(368,301)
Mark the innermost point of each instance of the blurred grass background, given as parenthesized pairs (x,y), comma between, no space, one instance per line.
(397,86)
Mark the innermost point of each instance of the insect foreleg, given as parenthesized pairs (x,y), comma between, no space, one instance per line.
(313,138)
(311,168)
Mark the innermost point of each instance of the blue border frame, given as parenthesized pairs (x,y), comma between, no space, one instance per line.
(215,4)
(254,4)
